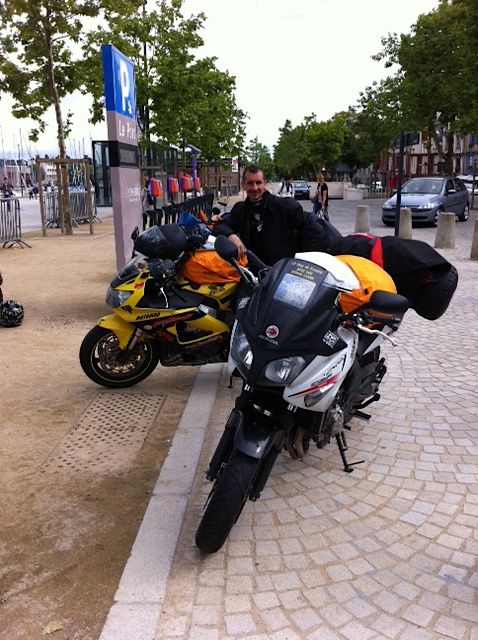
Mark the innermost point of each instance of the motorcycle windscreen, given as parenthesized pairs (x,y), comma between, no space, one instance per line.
(292,310)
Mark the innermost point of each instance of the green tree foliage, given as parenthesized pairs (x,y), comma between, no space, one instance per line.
(291,151)
(324,142)
(37,66)
(465,26)
(351,152)
(435,78)
(311,146)
(377,121)
(258,154)
(185,99)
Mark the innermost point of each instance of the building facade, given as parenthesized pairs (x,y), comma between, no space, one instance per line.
(418,160)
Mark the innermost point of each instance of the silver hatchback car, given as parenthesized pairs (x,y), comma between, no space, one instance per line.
(427,196)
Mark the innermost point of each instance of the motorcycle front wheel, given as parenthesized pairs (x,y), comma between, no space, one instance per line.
(226,502)
(105,363)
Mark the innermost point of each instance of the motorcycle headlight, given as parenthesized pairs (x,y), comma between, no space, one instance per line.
(241,351)
(115,298)
(284,370)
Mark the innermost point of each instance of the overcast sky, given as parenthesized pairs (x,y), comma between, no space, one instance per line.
(290,59)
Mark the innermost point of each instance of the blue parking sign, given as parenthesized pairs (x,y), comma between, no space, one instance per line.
(118,77)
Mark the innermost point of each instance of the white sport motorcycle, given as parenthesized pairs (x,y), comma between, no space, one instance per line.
(307,368)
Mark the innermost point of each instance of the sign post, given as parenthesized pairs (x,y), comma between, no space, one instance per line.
(118,76)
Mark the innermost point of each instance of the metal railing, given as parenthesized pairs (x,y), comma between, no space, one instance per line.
(171,212)
(374,193)
(224,192)
(10,223)
(78,207)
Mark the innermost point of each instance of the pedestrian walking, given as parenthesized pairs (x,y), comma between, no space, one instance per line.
(321,198)
(287,188)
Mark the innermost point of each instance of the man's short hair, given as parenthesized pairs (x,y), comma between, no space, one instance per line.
(252,168)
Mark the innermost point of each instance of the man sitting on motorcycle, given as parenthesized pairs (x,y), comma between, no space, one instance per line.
(272,227)
(275,228)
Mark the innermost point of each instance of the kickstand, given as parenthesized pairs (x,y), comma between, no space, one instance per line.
(229,386)
(342,445)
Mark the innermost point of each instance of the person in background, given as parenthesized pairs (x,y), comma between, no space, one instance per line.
(273,227)
(147,204)
(6,188)
(321,198)
(287,188)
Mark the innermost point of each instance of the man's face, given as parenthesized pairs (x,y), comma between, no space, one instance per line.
(254,185)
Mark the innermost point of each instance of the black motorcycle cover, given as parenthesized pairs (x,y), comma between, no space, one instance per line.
(162,241)
(420,273)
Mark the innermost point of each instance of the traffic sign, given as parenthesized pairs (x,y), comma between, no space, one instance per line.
(118,77)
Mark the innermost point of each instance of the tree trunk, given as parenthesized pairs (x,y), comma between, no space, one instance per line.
(63,186)
(448,166)
(428,147)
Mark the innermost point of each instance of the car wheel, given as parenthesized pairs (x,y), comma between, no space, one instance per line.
(463,217)
(387,223)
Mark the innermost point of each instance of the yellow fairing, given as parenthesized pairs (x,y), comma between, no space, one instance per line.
(123,330)
(220,291)
(208,324)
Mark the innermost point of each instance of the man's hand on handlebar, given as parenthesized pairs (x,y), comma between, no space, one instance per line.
(241,249)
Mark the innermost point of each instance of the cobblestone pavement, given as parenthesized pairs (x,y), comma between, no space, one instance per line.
(388,551)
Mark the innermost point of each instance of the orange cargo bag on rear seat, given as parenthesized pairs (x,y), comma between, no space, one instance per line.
(371,277)
(206,267)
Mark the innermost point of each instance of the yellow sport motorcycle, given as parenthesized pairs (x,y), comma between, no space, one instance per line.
(158,314)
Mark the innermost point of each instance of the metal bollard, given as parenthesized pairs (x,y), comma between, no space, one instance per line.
(362,219)
(445,235)
(474,244)
(405,224)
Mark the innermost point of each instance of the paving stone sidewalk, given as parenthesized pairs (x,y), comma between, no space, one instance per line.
(388,551)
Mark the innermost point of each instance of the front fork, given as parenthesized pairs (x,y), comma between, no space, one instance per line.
(256,433)
(126,333)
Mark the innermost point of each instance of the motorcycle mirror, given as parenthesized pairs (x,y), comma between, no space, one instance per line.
(225,248)
(386,302)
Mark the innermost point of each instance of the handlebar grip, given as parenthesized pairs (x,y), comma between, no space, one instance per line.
(255,262)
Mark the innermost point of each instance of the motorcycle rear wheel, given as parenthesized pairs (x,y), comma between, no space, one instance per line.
(105,363)
(228,498)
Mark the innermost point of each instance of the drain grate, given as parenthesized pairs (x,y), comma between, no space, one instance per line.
(108,435)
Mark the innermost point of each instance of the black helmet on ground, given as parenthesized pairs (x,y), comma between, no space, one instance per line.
(11,313)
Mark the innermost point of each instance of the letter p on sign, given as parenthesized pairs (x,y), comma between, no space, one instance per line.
(118,75)
(125,87)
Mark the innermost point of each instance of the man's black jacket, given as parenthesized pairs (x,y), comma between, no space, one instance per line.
(284,228)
